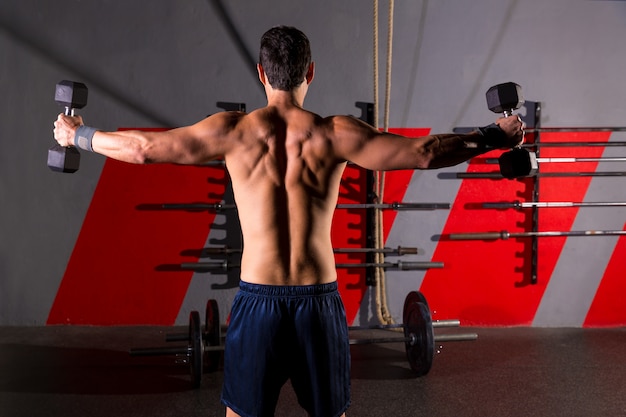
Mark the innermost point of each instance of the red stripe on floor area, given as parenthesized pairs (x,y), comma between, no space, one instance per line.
(120,271)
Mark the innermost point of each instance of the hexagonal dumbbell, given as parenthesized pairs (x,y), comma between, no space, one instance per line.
(72,95)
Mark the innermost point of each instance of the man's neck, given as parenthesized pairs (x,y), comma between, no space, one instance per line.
(281,98)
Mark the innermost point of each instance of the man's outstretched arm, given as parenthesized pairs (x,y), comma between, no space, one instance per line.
(195,144)
(358,142)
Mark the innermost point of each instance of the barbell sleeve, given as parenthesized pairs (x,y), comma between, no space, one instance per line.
(160,351)
(208,266)
(577,129)
(480,236)
(581,159)
(438,339)
(549,204)
(220,251)
(436,323)
(461,337)
(497,175)
(404,266)
(389,206)
(173,350)
(447,323)
(396,206)
(566,160)
(400,250)
(198,206)
(571,144)
(506,235)
(177,337)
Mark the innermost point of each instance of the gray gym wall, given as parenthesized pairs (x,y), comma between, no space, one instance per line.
(166,63)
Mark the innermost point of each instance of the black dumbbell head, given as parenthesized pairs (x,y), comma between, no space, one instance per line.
(71,94)
(61,159)
(516,163)
(504,97)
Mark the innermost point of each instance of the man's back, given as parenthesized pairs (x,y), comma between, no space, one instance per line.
(285,179)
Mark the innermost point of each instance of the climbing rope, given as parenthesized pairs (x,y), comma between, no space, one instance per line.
(382,308)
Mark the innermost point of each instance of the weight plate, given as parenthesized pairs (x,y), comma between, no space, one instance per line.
(195,348)
(420,344)
(212,335)
(422,298)
(412,297)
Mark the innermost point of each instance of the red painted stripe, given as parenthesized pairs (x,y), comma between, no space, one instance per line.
(115,274)
(608,305)
(487,282)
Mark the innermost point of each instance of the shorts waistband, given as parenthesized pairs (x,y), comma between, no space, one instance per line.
(289,290)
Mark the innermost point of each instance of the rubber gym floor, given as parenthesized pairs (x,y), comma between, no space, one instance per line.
(87,371)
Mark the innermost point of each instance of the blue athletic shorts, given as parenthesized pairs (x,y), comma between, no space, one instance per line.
(277,333)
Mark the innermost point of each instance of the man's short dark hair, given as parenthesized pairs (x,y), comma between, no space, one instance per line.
(285,56)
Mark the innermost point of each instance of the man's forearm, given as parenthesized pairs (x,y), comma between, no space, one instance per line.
(127,146)
(452,149)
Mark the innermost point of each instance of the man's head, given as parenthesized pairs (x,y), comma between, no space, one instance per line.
(285,56)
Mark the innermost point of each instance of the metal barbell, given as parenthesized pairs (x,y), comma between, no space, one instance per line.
(418,327)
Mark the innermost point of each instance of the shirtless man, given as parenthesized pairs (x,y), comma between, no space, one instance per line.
(285,163)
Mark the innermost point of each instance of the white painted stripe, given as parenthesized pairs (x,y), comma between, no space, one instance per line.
(582,263)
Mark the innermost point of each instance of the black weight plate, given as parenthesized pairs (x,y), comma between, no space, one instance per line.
(411,298)
(420,344)
(422,298)
(195,348)
(212,335)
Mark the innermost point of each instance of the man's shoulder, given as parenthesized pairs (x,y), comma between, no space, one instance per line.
(345,125)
